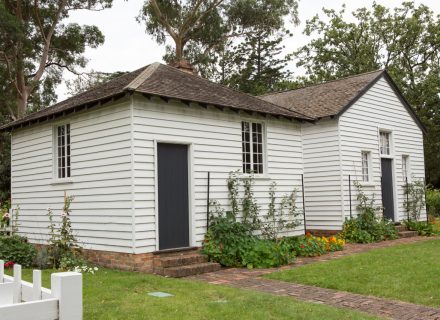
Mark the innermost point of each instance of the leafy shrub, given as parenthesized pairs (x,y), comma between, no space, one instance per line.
(227,241)
(73,261)
(17,249)
(230,239)
(232,244)
(357,230)
(433,202)
(268,254)
(62,242)
(414,199)
(435,225)
(311,246)
(41,260)
(367,227)
(5,219)
(423,228)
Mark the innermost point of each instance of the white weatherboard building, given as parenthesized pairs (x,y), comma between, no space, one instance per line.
(365,131)
(136,153)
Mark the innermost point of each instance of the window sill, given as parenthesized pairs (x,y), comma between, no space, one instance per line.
(62,181)
(367,184)
(255,176)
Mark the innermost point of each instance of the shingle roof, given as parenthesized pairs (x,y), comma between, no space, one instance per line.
(325,99)
(164,81)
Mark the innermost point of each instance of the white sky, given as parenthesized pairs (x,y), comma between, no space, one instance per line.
(127,47)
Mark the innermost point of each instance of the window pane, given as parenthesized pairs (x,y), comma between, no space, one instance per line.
(252,147)
(63,151)
(385,147)
(365,166)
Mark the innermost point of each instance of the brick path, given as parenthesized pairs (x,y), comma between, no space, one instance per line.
(250,279)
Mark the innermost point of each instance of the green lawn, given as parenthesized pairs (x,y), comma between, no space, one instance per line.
(123,295)
(405,272)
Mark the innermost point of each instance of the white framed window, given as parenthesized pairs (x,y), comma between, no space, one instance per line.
(385,142)
(252,147)
(62,151)
(366,166)
(406,168)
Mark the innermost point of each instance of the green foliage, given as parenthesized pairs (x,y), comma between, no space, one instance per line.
(403,40)
(5,164)
(311,246)
(37,46)
(433,202)
(423,228)
(89,80)
(256,64)
(231,241)
(201,30)
(414,199)
(285,218)
(232,244)
(268,254)
(368,226)
(279,217)
(307,246)
(41,260)
(5,219)
(359,230)
(61,243)
(250,209)
(233,186)
(17,249)
(227,241)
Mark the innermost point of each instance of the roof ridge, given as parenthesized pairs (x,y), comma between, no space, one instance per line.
(238,91)
(142,77)
(322,83)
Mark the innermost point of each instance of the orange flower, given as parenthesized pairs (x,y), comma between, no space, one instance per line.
(308,234)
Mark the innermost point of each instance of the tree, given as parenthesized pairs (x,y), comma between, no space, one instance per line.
(201,28)
(405,41)
(257,64)
(89,80)
(35,46)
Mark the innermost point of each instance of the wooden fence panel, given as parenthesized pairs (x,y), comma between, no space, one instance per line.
(34,310)
(24,300)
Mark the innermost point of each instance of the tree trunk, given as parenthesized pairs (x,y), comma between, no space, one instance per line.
(179,48)
(22,92)
(22,104)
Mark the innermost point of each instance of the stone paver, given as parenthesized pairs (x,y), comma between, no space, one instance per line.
(251,279)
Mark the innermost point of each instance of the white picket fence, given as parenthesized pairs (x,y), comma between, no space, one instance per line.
(22,300)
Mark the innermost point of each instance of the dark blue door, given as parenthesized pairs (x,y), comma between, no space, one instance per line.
(387,188)
(173,195)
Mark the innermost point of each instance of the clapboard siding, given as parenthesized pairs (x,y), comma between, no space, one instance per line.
(322,175)
(215,138)
(379,108)
(101,173)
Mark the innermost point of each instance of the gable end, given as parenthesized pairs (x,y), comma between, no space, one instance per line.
(397,92)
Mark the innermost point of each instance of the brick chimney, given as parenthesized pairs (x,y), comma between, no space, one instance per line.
(184,65)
